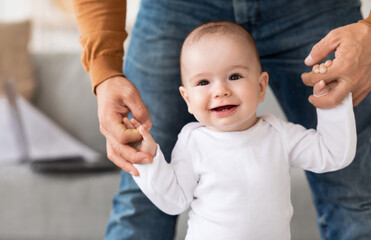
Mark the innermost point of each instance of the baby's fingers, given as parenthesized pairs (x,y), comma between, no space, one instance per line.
(148,145)
(322,68)
(135,123)
(145,134)
(338,91)
(320,89)
(127,123)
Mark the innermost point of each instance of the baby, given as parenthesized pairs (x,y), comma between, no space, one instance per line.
(232,167)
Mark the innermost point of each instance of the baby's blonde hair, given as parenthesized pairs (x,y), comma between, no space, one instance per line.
(223,28)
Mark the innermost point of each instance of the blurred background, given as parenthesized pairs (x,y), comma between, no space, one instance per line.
(54,28)
(39,46)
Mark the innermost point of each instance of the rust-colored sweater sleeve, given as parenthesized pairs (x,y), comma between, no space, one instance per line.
(367,20)
(102,28)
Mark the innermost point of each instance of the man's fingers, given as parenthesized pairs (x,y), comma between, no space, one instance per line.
(138,109)
(322,49)
(122,134)
(120,162)
(124,156)
(114,127)
(333,98)
(129,153)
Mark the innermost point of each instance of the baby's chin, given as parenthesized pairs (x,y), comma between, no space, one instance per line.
(217,128)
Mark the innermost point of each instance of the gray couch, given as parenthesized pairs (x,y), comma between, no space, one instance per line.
(36,206)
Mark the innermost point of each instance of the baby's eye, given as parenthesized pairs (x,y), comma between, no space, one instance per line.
(235,76)
(203,83)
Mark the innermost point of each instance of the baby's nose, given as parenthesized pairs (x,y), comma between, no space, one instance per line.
(222,91)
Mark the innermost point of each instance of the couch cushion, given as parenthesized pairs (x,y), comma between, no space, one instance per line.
(15,59)
(64,94)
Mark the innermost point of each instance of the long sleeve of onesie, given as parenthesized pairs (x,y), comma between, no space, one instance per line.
(331,147)
(204,168)
(169,186)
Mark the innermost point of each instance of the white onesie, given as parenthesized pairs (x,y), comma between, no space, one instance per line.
(238,183)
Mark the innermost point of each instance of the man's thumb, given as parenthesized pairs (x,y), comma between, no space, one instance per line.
(321,50)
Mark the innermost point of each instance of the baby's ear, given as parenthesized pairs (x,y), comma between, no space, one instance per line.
(184,93)
(263,83)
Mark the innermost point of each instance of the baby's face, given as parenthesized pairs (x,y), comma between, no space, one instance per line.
(223,83)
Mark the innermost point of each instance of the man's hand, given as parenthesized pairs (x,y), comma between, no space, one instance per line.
(117,96)
(351,68)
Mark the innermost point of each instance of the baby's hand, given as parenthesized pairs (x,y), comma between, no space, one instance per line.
(147,144)
(322,68)
(320,88)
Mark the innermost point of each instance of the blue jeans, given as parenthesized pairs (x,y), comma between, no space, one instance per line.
(284,31)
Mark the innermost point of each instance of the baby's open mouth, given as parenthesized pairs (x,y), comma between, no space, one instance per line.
(223,108)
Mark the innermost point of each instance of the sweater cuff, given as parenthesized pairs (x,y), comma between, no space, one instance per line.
(103,68)
(367,20)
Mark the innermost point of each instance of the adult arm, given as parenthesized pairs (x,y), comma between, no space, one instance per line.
(331,147)
(102,28)
(351,67)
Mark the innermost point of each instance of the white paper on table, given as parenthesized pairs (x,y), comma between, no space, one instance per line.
(45,139)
